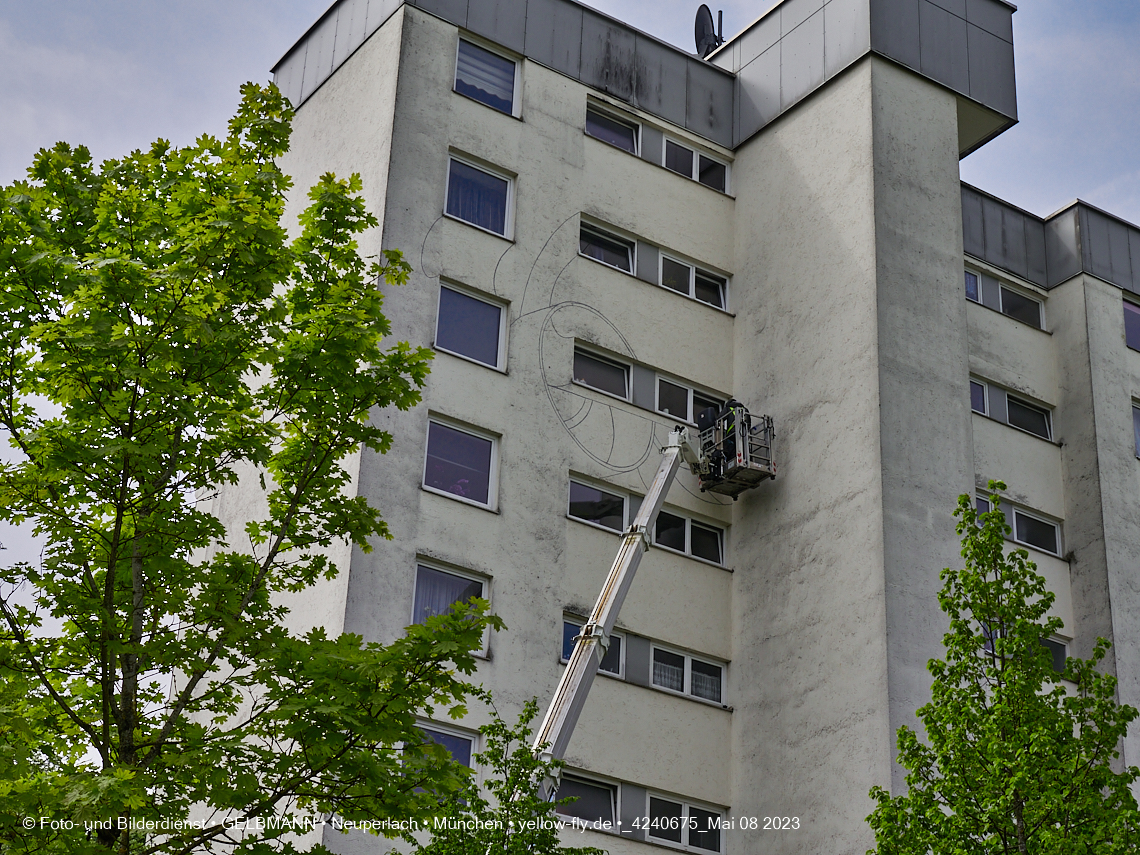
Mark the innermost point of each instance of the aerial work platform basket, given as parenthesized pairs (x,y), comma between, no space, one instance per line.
(736,450)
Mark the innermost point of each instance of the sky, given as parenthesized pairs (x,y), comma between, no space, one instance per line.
(116,74)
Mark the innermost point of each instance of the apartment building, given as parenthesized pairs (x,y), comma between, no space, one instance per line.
(610,234)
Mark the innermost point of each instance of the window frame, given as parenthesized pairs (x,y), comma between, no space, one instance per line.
(459,733)
(1003,287)
(509,212)
(501,357)
(698,153)
(685,804)
(695,270)
(977,286)
(1038,518)
(516,83)
(457,572)
(1130,306)
(609,488)
(608,234)
(614,116)
(687,679)
(1048,413)
(613,786)
(592,354)
(688,553)
(985,411)
(579,622)
(492,475)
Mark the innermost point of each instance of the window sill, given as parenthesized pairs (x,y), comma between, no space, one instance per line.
(691,557)
(1035,548)
(437,492)
(473,361)
(512,115)
(714,704)
(483,229)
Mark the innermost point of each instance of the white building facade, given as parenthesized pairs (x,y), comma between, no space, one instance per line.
(610,234)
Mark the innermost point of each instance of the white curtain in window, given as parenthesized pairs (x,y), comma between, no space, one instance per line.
(437,592)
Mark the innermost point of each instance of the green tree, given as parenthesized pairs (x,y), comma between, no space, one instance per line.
(1014,761)
(519,821)
(159,334)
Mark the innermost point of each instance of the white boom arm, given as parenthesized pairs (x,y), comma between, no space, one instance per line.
(591,645)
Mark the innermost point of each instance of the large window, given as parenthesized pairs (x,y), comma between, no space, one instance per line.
(460,464)
(692,164)
(1132,325)
(611,663)
(593,505)
(485,76)
(683,402)
(592,801)
(605,247)
(616,132)
(478,197)
(1028,417)
(470,327)
(693,282)
(1038,533)
(1021,308)
(684,824)
(690,537)
(437,591)
(681,673)
(600,373)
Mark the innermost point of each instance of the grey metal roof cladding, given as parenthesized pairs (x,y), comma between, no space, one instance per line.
(793,49)
(1047,251)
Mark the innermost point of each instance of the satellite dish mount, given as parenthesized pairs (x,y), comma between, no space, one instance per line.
(708,37)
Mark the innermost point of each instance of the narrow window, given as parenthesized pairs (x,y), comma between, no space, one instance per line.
(709,288)
(972,292)
(1132,325)
(706,542)
(611,662)
(593,802)
(665,819)
(1136,427)
(606,248)
(601,374)
(459,747)
(486,77)
(672,399)
(477,197)
(705,680)
(678,158)
(1036,533)
(712,173)
(704,829)
(676,276)
(668,670)
(597,506)
(670,531)
(1028,417)
(459,463)
(1058,652)
(611,130)
(1020,307)
(978,397)
(437,592)
(468,326)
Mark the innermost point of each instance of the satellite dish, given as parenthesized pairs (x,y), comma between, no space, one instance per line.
(704,32)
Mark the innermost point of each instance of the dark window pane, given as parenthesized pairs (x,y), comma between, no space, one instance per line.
(710,289)
(593,802)
(983,505)
(601,374)
(678,158)
(485,76)
(665,819)
(458,463)
(611,662)
(612,131)
(712,174)
(972,287)
(977,397)
(477,197)
(606,249)
(705,542)
(1136,428)
(1035,532)
(704,680)
(672,399)
(468,326)
(457,746)
(569,633)
(670,531)
(668,670)
(675,275)
(437,592)
(704,833)
(1058,651)
(597,506)
(1021,308)
(1027,417)
(1132,325)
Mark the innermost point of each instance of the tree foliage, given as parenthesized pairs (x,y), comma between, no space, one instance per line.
(518,821)
(1015,760)
(159,334)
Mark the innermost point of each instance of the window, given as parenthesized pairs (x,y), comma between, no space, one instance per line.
(690,537)
(684,824)
(681,673)
(1058,652)
(470,327)
(614,131)
(978,397)
(684,161)
(983,505)
(693,282)
(1038,533)
(1136,427)
(1021,308)
(1132,325)
(1028,417)
(478,197)
(459,747)
(486,77)
(459,463)
(611,662)
(437,591)
(597,506)
(593,801)
(601,374)
(606,248)
(972,292)
(682,402)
